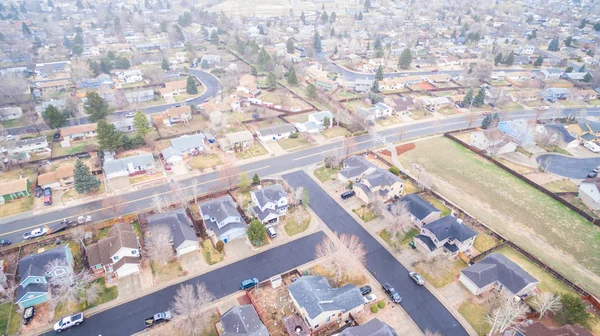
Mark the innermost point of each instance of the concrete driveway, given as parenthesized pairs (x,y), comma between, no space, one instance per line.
(178,168)
(118,184)
(193,262)
(422,306)
(129,286)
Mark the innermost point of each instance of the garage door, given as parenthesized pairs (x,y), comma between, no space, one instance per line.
(236,234)
(187,249)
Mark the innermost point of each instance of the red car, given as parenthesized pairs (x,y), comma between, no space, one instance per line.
(167,166)
(486,112)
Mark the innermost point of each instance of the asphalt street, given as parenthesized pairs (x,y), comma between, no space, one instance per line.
(568,166)
(128,318)
(422,306)
(212,88)
(12,228)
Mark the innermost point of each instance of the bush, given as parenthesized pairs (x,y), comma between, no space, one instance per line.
(256,232)
(220,246)
(374,309)
(381,304)
(573,311)
(394,170)
(294,135)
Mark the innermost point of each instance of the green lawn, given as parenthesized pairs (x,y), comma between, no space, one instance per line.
(10,319)
(437,204)
(484,242)
(365,214)
(325,174)
(290,143)
(292,226)
(561,186)
(594,102)
(524,215)
(556,149)
(76,147)
(204,162)
(17,206)
(256,150)
(12,123)
(475,315)
(333,132)
(547,281)
(396,242)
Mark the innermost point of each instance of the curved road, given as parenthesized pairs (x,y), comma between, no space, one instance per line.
(212,88)
(568,166)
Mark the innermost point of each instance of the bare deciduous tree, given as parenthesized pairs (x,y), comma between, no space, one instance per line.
(506,314)
(546,302)
(377,206)
(217,121)
(296,196)
(8,293)
(13,89)
(70,287)
(398,218)
(158,244)
(188,305)
(229,174)
(78,234)
(341,255)
(160,203)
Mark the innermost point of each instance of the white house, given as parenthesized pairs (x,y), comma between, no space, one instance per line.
(183,146)
(496,270)
(446,234)
(492,141)
(222,219)
(116,255)
(183,236)
(39,144)
(10,113)
(319,118)
(270,203)
(275,132)
(128,165)
(589,193)
(130,76)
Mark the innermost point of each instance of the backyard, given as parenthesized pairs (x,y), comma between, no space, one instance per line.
(10,319)
(516,210)
(76,147)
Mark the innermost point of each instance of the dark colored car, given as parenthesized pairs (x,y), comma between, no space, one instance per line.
(56,136)
(391,292)
(38,191)
(28,315)
(592,175)
(347,194)
(249,283)
(365,290)
(5,242)
(47,192)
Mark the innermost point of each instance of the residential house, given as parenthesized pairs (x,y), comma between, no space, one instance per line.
(589,193)
(54,85)
(559,135)
(61,177)
(172,89)
(34,275)
(403,105)
(552,73)
(522,131)
(575,76)
(275,132)
(129,76)
(493,142)
(14,189)
(439,78)
(446,234)
(48,180)
(539,329)
(210,60)
(183,236)
(176,115)
(375,112)
(222,219)
(128,165)
(436,102)
(247,84)
(242,321)
(10,113)
(58,103)
(319,119)
(326,83)
(421,211)
(48,69)
(38,144)
(125,125)
(78,132)
(270,203)
(526,50)
(139,96)
(378,183)
(354,167)
(556,93)
(183,146)
(237,142)
(584,95)
(524,96)
(116,255)
(320,304)
(496,270)
(363,85)
(372,328)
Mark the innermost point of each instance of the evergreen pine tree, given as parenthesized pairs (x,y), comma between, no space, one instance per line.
(165,65)
(587,78)
(191,87)
(405,59)
(468,98)
(83,179)
(271,81)
(498,59)
(311,91)
(141,124)
(109,138)
(53,117)
(303,18)
(96,107)
(379,73)
(479,98)
(317,43)
(375,87)
(510,59)
(289,45)
(291,76)
(25,29)
(538,62)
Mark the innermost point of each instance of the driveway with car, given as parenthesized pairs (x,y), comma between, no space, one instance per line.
(422,306)
(568,166)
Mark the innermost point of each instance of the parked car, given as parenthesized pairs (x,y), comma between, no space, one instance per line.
(459,105)
(404,74)
(47,200)
(56,136)
(271,231)
(486,112)
(492,104)
(370,298)
(47,192)
(430,109)
(129,115)
(28,315)
(391,292)
(38,191)
(249,283)
(592,175)
(68,322)
(435,70)
(167,166)
(365,290)
(596,170)
(35,233)
(592,147)
(417,278)
(543,108)
(348,194)
(158,318)
(5,242)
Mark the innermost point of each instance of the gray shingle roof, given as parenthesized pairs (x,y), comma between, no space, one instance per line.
(220,209)
(118,165)
(417,206)
(243,321)
(354,166)
(35,264)
(188,142)
(381,177)
(427,241)
(29,141)
(272,193)
(448,227)
(372,328)
(497,267)
(179,225)
(314,294)
(275,130)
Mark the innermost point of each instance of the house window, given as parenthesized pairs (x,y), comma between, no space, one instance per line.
(99,266)
(37,280)
(115,258)
(134,252)
(59,271)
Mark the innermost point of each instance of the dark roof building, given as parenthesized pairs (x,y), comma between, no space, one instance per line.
(372,328)
(242,321)
(182,232)
(354,166)
(418,207)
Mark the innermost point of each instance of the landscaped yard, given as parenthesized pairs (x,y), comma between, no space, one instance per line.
(484,242)
(210,254)
(106,294)
(527,217)
(289,143)
(364,213)
(325,174)
(256,150)
(475,315)
(76,147)
(561,186)
(437,204)
(16,206)
(396,242)
(166,272)
(296,223)
(204,161)
(10,319)
(443,276)
(333,132)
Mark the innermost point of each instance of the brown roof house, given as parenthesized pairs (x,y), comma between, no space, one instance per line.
(176,115)
(14,189)
(62,177)
(77,132)
(118,254)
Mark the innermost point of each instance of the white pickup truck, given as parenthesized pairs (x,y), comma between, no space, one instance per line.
(68,322)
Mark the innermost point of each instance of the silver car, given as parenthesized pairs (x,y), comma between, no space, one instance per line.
(417,278)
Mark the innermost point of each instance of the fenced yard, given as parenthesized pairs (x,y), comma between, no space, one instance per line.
(539,224)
